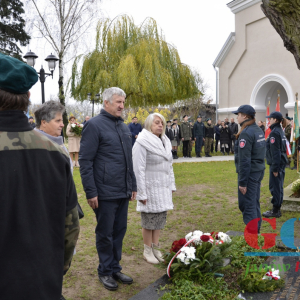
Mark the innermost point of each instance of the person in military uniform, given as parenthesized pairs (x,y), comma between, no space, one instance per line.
(39,223)
(186,135)
(199,133)
(209,136)
(287,132)
(249,157)
(277,160)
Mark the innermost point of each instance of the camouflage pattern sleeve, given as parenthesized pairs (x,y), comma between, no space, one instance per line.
(71,236)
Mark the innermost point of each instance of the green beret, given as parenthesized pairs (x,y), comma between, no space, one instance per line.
(289,118)
(16,77)
(208,119)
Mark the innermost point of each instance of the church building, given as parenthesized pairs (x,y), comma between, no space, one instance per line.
(254,65)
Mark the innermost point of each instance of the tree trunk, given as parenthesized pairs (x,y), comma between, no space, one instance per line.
(284,16)
(61,94)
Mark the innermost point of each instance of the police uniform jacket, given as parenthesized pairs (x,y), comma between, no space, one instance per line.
(276,148)
(199,129)
(39,220)
(249,153)
(105,158)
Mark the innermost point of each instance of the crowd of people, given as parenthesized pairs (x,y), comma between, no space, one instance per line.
(39,225)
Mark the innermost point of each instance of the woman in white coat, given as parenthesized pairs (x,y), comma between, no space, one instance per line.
(152,163)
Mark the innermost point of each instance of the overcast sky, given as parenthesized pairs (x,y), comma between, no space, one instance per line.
(197,28)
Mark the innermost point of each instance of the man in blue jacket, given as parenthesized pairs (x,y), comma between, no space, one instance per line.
(109,182)
(135,128)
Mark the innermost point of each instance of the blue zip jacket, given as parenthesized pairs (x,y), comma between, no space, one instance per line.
(249,153)
(105,158)
(276,148)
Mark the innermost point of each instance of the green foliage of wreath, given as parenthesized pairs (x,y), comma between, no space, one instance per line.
(253,282)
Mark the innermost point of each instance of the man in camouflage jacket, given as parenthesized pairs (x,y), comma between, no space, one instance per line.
(39,223)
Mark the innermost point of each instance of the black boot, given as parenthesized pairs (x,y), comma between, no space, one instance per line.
(176,157)
(274,213)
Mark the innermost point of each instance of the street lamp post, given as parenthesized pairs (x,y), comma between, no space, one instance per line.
(97,96)
(51,59)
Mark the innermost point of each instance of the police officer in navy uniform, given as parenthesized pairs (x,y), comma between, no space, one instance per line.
(277,160)
(249,155)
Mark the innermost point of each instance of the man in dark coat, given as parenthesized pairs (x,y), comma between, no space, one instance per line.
(135,128)
(39,223)
(233,130)
(31,123)
(109,182)
(199,134)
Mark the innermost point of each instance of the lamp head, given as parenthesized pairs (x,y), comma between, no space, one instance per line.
(30,58)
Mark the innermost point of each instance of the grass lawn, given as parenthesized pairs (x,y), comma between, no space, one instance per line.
(206,199)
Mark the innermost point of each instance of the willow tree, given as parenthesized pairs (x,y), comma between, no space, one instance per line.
(136,59)
(284,16)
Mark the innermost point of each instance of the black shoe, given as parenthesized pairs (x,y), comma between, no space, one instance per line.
(208,155)
(108,282)
(294,168)
(272,214)
(62,297)
(122,278)
(223,153)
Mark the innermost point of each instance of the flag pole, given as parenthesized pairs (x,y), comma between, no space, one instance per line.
(297,142)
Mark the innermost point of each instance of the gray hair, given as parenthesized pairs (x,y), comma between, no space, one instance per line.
(149,121)
(48,112)
(108,93)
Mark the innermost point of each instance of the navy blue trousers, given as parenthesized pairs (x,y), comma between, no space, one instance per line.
(249,203)
(199,143)
(276,188)
(111,227)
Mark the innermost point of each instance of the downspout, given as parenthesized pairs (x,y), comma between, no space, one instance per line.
(217,92)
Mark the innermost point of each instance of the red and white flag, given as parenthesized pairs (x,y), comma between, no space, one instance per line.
(268,129)
(278,102)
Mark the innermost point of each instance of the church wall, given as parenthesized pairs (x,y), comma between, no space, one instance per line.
(257,52)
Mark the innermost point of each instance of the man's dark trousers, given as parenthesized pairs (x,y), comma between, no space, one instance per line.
(199,144)
(111,227)
(249,203)
(276,187)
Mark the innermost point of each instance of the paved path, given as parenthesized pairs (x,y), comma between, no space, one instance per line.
(204,159)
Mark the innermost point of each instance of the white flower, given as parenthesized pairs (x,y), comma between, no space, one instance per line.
(207,233)
(187,261)
(197,240)
(224,237)
(73,125)
(81,125)
(181,256)
(197,233)
(188,236)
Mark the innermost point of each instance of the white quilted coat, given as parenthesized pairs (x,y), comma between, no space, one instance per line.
(152,164)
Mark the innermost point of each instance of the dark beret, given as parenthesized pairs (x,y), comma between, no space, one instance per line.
(289,118)
(209,119)
(30,118)
(16,77)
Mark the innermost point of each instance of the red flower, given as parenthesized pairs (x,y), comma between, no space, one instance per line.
(204,238)
(177,245)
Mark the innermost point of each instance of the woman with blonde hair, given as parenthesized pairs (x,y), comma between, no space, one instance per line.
(152,164)
(73,142)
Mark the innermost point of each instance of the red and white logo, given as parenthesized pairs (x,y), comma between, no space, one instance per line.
(272,140)
(242,143)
